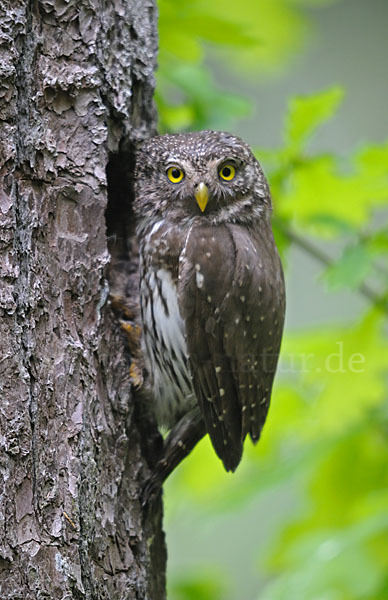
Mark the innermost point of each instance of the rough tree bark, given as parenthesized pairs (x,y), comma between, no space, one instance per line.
(75,95)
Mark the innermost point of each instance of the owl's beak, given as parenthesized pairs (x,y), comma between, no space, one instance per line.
(202,195)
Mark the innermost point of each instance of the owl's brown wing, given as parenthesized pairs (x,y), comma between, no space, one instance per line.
(231,297)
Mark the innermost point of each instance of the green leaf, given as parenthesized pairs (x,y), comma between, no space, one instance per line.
(374,159)
(220,31)
(341,371)
(317,187)
(204,105)
(378,242)
(326,225)
(351,269)
(204,585)
(306,113)
(332,564)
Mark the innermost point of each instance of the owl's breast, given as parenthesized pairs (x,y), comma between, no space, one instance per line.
(164,344)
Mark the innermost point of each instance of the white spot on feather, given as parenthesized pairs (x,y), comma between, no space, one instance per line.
(199,279)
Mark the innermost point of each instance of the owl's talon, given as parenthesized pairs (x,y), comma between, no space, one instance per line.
(121,307)
(132,334)
(136,375)
(132,330)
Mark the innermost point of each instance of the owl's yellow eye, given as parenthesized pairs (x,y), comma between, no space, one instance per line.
(227,172)
(175,174)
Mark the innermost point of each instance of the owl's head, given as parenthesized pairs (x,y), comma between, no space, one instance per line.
(207,175)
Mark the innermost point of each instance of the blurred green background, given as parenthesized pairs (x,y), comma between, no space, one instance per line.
(305,82)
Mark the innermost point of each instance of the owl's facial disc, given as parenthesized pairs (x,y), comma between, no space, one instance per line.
(202,195)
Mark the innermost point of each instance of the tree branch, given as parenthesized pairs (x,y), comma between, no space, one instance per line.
(380,301)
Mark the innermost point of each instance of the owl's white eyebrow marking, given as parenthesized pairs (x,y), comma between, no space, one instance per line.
(171,161)
(229,159)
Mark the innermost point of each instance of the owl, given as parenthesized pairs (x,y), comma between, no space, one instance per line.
(211,291)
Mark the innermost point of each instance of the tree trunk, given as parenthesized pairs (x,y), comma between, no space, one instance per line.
(75,94)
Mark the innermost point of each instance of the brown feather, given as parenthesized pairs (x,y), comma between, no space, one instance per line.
(224,294)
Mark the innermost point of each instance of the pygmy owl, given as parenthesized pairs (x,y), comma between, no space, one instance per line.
(211,291)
